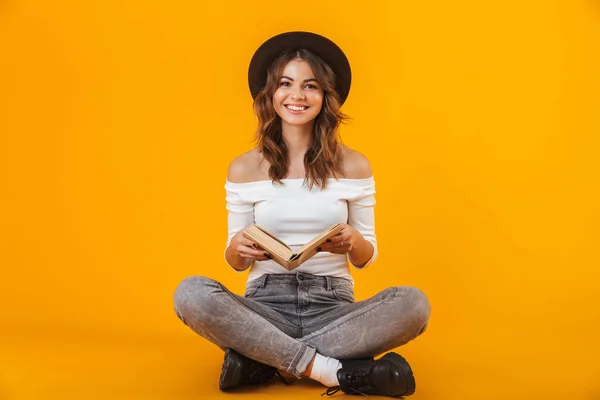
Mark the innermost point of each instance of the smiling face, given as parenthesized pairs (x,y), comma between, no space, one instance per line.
(299,97)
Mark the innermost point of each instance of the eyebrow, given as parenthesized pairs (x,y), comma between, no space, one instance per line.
(306,80)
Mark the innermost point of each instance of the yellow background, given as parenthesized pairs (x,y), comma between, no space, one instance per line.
(118,120)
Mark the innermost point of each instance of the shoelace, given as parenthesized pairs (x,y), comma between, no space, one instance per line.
(334,389)
(263,375)
(354,379)
(331,391)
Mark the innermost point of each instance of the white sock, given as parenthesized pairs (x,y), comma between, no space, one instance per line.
(325,369)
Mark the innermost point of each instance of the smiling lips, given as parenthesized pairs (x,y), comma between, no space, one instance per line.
(296,109)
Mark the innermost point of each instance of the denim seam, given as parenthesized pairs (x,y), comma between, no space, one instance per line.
(297,357)
(302,353)
(326,321)
(282,321)
(337,327)
(303,346)
(336,295)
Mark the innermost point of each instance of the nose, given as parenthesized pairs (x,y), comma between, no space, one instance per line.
(297,93)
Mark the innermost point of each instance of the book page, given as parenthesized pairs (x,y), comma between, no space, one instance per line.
(272,236)
(302,257)
(321,238)
(269,242)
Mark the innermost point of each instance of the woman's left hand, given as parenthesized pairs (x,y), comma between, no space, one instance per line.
(343,242)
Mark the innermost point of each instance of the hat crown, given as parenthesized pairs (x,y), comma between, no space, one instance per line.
(327,50)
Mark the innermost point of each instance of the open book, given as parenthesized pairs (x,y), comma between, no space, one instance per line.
(281,253)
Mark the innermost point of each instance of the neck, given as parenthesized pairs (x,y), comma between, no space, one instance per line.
(297,138)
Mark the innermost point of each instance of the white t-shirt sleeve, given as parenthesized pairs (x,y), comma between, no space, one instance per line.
(240,212)
(361,215)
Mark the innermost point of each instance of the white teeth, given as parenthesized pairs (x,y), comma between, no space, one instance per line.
(294,108)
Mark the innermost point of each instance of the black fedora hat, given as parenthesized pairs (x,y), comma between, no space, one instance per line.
(317,44)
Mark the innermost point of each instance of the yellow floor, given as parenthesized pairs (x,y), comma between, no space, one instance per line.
(40,364)
(118,120)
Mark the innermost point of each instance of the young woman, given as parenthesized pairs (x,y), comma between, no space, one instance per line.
(298,181)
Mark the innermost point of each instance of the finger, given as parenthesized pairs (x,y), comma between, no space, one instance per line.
(259,254)
(334,239)
(247,236)
(339,238)
(334,244)
(338,248)
(336,251)
(253,254)
(339,242)
(331,247)
(250,243)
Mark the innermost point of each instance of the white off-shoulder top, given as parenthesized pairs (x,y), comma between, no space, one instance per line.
(296,215)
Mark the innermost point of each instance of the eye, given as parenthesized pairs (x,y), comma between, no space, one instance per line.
(310,86)
(284,83)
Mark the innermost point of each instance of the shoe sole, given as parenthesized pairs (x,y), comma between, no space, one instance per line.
(398,360)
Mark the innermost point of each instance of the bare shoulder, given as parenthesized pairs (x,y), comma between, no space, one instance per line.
(244,168)
(356,165)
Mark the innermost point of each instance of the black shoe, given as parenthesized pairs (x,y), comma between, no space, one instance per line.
(388,376)
(239,370)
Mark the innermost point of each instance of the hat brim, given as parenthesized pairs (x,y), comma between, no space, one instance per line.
(317,44)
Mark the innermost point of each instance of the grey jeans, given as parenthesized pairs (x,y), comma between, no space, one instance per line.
(283,319)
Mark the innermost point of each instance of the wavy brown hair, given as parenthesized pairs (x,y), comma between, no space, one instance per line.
(324,158)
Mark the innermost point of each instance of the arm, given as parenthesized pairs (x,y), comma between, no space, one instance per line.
(239,251)
(362,253)
(240,214)
(236,261)
(361,218)
(358,236)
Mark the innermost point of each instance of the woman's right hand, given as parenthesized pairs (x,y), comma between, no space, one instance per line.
(247,248)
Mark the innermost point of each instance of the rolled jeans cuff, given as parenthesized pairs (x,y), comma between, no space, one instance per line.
(301,360)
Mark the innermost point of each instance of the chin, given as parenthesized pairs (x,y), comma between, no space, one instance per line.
(299,122)
(304,120)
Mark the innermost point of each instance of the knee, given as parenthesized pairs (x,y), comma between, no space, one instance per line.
(415,307)
(192,295)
